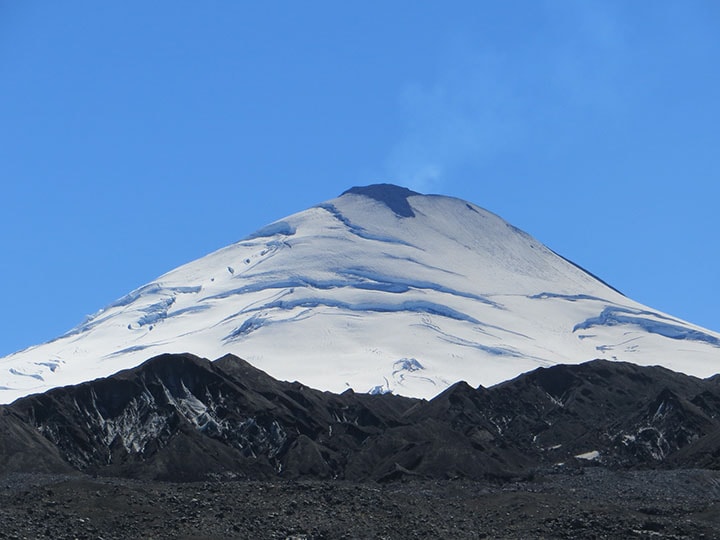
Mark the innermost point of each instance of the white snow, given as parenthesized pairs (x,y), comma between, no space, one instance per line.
(593,455)
(349,294)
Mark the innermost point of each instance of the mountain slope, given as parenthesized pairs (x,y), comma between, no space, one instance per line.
(381,289)
(180,417)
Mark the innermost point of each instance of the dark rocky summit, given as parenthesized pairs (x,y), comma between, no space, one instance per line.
(184,447)
(394,197)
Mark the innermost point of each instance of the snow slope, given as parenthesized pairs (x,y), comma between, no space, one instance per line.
(381,289)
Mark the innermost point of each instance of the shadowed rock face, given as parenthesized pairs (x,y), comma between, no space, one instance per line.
(394,197)
(23,448)
(180,417)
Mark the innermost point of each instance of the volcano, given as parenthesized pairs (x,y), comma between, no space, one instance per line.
(379,290)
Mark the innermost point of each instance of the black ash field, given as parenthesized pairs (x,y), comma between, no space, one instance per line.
(590,502)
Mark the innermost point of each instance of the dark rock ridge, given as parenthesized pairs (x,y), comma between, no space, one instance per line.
(180,417)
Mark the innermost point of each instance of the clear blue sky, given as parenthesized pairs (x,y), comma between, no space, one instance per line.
(137,136)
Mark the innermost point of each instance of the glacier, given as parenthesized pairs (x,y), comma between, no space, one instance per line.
(380,289)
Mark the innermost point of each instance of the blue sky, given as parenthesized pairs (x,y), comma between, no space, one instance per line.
(137,136)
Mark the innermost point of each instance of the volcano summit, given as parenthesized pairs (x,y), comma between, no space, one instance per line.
(381,289)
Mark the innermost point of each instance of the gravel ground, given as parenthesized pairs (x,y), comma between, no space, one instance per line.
(583,503)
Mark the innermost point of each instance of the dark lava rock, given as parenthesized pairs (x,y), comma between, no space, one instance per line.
(184,418)
(598,504)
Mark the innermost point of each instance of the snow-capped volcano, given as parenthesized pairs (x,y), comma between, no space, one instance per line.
(381,289)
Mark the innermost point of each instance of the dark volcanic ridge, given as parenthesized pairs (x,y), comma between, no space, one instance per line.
(183,418)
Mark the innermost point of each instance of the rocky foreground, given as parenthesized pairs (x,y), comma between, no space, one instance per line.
(181,447)
(591,502)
